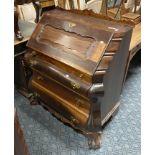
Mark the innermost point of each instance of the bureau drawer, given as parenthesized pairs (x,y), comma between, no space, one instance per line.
(68,80)
(67,103)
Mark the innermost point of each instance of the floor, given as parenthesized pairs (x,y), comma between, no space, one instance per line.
(46,135)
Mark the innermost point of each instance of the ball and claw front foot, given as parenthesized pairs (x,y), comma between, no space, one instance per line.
(33,99)
(95,142)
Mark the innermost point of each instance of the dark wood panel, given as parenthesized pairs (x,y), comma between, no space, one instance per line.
(63,38)
(81,88)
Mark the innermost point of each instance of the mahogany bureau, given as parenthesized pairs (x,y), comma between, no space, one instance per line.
(77,59)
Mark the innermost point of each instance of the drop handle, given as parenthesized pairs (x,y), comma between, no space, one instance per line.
(74,120)
(33,63)
(97,89)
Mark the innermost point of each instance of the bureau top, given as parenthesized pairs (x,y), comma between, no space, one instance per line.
(74,39)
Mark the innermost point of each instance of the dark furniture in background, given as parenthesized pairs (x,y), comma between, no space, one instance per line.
(119,12)
(37,7)
(20,71)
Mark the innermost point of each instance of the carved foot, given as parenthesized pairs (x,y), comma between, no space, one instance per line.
(19,35)
(33,99)
(94,141)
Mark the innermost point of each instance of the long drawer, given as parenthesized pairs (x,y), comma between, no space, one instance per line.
(67,103)
(68,80)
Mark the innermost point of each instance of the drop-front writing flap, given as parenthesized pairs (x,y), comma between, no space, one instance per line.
(66,41)
(71,42)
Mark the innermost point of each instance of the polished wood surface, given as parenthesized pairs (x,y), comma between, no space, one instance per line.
(20,145)
(49,3)
(46,3)
(78,68)
(136,37)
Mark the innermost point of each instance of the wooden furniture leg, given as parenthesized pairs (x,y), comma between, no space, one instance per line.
(94,140)
(38,10)
(104,7)
(33,99)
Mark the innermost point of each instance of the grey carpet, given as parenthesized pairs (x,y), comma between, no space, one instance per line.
(46,135)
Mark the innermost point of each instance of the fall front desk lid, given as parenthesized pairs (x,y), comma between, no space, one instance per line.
(72,39)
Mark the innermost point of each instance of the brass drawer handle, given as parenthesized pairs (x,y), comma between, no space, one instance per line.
(74,120)
(71,24)
(75,85)
(33,63)
(33,53)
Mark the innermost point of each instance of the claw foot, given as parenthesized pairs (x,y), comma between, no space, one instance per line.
(94,141)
